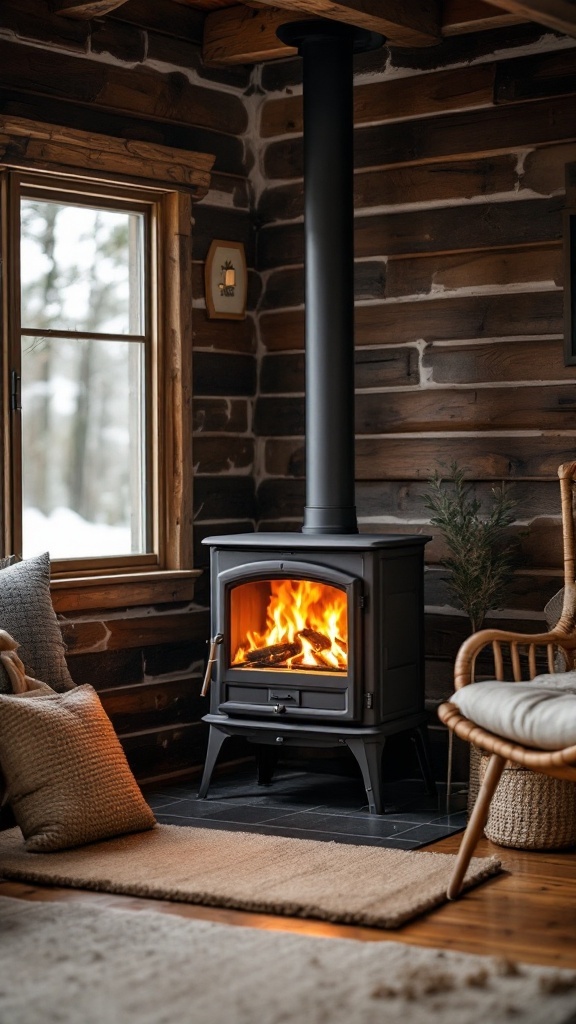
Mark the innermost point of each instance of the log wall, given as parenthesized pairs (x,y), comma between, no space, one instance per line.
(138,74)
(460,154)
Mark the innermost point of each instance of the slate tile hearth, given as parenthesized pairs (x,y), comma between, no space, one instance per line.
(309,806)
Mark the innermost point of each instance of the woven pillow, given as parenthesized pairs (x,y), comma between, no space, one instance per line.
(26,613)
(67,777)
(540,713)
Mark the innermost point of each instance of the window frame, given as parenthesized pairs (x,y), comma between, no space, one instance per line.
(168,575)
(29,186)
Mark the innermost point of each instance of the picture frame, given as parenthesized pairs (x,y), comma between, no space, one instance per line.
(226,281)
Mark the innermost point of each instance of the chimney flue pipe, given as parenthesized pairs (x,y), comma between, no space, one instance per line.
(326,49)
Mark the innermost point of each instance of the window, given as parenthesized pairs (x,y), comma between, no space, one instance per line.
(85,361)
(97,379)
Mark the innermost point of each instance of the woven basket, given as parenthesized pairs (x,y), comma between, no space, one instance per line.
(529,811)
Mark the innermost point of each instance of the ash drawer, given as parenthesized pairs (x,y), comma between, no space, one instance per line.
(263,695)
(293,700)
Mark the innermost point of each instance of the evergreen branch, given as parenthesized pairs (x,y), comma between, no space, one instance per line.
(481,558)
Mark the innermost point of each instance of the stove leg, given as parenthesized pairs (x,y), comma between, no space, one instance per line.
(215,740)
(422,744)
(368,753)
(266,761)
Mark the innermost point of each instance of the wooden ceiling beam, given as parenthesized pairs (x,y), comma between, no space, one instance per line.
(413,24)
(462,16)
(246,34)
(559,15)
(84,9)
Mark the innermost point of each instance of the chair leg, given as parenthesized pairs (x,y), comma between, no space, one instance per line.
(478,819)
(449,772)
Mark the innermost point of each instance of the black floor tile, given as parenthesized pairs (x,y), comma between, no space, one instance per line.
(424,834)
(192,808)
(312,805)
(249,814)
(340,824)
(272,829)
(158,800)
(450,821)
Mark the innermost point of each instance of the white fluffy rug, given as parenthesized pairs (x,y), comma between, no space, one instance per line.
(75,963)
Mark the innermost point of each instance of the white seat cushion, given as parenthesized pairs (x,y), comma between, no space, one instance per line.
(540,713)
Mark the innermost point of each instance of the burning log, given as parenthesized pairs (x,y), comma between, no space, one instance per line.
(276,654)
(325,662)
(292,654)
(317,641)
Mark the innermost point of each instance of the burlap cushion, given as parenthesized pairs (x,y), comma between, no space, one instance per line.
(67,777)
(26,613)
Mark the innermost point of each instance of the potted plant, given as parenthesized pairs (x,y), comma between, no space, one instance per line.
(480,561)
(481,553)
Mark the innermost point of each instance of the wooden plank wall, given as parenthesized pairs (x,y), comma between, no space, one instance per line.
(138,74)
(460,153)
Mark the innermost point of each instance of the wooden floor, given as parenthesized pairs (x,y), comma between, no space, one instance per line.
(528,914)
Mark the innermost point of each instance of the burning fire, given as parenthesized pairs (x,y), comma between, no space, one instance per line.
(306,627)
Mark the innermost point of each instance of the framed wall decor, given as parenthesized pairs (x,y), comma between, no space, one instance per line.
(226,281)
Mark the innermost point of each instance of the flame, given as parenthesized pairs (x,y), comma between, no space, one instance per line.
(310,616)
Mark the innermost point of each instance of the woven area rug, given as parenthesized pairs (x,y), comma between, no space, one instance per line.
(74,963)
(274,874)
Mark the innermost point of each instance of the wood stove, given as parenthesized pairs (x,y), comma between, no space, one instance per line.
(318,641)
(317,638)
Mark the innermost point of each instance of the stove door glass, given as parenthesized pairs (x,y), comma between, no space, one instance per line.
(297,625)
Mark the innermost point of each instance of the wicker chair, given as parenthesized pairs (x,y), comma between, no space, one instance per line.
(522,657)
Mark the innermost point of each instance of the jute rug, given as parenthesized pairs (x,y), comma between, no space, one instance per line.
(74,963)
(300,877)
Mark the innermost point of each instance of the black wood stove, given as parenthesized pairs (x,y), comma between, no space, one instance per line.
(317,638)
(318,641)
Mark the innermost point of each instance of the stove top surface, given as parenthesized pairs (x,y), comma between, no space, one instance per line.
(316,542)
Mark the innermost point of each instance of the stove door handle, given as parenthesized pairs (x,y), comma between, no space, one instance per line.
(214,642)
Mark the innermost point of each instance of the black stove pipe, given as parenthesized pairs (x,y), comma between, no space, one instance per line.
(326,49)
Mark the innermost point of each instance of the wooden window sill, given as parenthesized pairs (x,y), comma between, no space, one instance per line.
(83,593)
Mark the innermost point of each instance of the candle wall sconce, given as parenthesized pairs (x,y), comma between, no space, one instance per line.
(226,281)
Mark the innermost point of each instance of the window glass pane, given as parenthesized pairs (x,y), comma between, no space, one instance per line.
(81,268)
(83,440)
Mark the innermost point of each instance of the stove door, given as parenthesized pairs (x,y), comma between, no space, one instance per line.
(291,641)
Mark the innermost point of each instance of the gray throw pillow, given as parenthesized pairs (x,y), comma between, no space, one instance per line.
(26,613)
